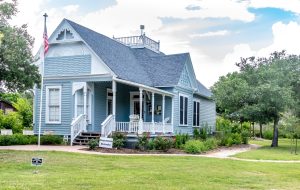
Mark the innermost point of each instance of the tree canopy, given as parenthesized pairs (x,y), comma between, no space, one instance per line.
(262,90)
(16,68)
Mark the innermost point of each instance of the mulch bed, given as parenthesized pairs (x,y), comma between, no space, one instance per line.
(170,151)
(135,151)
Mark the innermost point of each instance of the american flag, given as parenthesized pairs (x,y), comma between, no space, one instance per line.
(45,36)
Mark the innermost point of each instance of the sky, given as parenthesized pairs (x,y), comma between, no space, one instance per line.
(217,33)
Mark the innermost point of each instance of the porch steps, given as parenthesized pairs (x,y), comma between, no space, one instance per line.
(84,138)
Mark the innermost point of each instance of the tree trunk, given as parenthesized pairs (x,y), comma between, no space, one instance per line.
(253,132)
(275,133)
(296,145)
(260,130)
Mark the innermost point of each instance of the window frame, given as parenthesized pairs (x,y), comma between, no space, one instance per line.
(197,101)
(47,104)
(109,90)
(185,110)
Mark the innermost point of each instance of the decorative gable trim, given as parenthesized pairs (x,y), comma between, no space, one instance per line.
(64,33)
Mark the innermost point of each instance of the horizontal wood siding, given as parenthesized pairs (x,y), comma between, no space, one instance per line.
(68,65)
(66,109)
(207,113)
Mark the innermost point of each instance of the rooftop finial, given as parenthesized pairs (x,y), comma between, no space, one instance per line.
(142,27)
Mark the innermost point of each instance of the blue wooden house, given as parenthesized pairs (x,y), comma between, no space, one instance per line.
(93,83)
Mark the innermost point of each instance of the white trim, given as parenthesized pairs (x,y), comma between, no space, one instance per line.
(47,104)
(185,96)
(144,87)
(132,100)
(90,77)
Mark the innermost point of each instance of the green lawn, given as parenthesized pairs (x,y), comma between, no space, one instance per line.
(266,152)
(80,171)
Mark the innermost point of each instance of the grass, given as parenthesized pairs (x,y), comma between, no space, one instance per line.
(266,152)
(79,171)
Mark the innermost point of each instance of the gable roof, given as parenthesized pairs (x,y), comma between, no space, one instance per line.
(139,65)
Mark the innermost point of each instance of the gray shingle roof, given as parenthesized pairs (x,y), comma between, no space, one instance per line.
(118,57)
(203,90)
(139,65)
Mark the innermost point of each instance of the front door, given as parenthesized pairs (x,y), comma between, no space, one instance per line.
(135,103)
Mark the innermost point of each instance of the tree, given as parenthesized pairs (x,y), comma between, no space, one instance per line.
(262,90)
(16,68)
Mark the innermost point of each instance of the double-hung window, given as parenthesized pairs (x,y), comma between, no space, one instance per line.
(79,102)
(196,115)
(53,104)
(183,103)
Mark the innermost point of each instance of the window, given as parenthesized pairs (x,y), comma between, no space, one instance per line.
(79,102)
(183,102)
(53,104)
(196,115)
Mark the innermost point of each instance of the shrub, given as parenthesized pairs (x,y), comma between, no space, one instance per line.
(223,124)
(245,136)
(196,133)
(12,121)
(93,143)
(25,111)
(210,143)
(118,140)
(163,144)
(194,147)
(151,144)
(180,140)
(236,138)
(203,133)
(17,139)
(268,134)
(236,128)
(51,140)
(142,143)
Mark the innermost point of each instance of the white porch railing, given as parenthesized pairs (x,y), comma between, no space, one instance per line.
(107,126)
(77,126)
(133,127)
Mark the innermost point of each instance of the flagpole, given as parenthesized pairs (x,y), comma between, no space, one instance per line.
(42,84)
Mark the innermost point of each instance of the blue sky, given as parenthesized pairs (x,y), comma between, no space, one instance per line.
(216,32)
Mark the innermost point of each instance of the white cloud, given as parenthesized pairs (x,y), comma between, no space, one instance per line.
(290,5)
(285,37)
(70,8)
(210,34)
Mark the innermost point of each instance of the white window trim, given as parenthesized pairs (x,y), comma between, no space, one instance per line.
(132,100)
(185,96)
(196,100)
(109,90)
(47,104)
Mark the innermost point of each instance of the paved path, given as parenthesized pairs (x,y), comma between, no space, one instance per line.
(221,153)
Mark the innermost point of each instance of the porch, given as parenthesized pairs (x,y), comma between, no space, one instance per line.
(121,106)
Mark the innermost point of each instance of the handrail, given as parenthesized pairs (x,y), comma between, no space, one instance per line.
(77,126)
(142,40)
(107,126)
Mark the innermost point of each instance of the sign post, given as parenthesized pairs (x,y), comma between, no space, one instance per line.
(36,162)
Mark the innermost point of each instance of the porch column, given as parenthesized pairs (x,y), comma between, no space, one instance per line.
(140,130)
(152,113)
(85,101)
(172,115)
(114,90)
(163,112)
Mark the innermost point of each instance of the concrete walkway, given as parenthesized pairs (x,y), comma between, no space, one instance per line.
(221,153)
